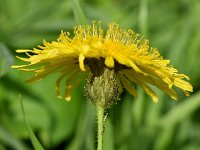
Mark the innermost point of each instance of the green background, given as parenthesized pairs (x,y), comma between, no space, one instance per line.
(134,123)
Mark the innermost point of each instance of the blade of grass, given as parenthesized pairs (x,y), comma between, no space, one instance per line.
(8,139)
(78,12)
(138,108)
(173,117)
(6,59)
(164,139)
(143,16)
(34,140)
(108,135)
(180,112)
(84,124)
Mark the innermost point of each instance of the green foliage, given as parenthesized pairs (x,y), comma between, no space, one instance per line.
(36,144)
(78,13)
(134,123)
(6,59)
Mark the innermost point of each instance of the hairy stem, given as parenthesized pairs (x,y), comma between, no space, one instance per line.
(100,116)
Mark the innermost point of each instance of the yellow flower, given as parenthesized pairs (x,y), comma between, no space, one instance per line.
(123,50)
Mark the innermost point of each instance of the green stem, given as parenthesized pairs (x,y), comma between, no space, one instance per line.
(100,116)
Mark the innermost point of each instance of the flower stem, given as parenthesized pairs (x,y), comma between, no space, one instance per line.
(100,116)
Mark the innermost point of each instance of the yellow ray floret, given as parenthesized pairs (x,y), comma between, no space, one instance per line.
(124,51)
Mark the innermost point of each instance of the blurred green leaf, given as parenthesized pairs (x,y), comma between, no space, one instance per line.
(143,17)
(57,114)
(165,137)
(181,111)
(108,135)
(84,128)
(138,107)
(7,138)
(34,140)
(78,12)
(6,59)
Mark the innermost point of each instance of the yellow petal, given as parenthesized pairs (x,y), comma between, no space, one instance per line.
(119,84)
(81,62)
(68,85)
(24,59)
(150,92)
(23,50)
(164,87)
(59,80)
(135,67)
(128,86)
(132,76)
(109,62)
(21,66)
(68,93)
(140,80)
(184,85)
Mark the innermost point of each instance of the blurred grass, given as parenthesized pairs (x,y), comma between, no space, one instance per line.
(134,123)
(36,144)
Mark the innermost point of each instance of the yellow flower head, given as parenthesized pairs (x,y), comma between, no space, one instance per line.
(123,50)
